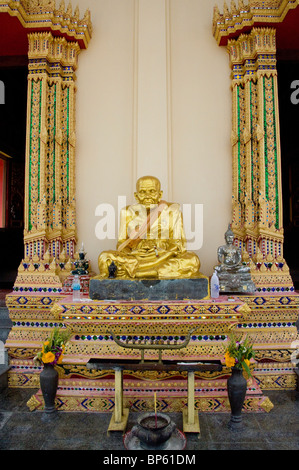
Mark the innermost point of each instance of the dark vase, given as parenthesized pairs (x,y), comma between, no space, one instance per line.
(48,384)
(236,389)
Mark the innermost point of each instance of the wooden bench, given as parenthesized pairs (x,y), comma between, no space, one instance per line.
(120,414)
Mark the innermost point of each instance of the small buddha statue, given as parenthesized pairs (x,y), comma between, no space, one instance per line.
(151,242)
(81,264)
(234,277)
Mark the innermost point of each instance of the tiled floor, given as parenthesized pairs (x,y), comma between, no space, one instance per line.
(22,429)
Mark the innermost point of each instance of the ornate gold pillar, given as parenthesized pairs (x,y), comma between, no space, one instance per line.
(257,205)
(55,38)
(50,163)
(50,219)
(257,219)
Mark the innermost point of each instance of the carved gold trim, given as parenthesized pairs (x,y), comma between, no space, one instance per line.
(40,14)
(234,20)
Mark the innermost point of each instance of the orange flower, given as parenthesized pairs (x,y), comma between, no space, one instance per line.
(48,357)
(45,344)
(247,362)
(229,361)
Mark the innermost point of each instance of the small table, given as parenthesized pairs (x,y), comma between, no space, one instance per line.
(120,414)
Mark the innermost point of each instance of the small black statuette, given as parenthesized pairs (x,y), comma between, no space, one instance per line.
(112,270)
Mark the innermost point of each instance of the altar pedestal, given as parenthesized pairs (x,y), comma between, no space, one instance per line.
(195,288)
(94,322)
(269,320)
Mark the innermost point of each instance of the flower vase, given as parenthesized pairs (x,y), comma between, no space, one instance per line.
(236,389)
(49,384)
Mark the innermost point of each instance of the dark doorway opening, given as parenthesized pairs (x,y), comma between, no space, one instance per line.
(13,110)
(288,92)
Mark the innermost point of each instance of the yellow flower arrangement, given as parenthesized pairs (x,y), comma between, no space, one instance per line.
(48,357)
(53,348)
(238,354)
(229,361)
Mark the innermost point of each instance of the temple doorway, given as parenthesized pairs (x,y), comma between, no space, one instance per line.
(13,107)
(288,91)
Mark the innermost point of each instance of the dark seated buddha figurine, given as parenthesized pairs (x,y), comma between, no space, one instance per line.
(234,277)
(151,243)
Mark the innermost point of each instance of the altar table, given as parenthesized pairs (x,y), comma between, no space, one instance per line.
(120,414)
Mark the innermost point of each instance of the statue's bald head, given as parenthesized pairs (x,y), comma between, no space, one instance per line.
(148,191)
(152,179)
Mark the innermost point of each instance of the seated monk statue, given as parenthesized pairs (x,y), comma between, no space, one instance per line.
(151,242)
(233,275)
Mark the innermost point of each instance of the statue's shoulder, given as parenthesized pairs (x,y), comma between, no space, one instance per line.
(129,207)
(124,209)
(133,209)
(136,207)
(173,206)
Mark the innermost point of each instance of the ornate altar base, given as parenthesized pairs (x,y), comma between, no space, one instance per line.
(268,319)
(79,394)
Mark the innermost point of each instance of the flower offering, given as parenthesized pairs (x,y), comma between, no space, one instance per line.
(239,353)
(53,348)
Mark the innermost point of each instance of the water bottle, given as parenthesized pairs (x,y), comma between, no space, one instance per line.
(76,287)
(215,286)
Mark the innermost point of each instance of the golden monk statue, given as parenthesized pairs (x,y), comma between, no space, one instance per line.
(151,241)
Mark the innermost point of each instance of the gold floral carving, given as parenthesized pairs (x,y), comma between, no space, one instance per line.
(267,404)
(33,403)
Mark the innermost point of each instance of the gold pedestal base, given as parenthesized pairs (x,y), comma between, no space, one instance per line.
(190,426)
(190,417)
(120,424)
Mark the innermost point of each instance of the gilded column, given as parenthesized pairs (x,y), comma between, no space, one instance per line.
(257,201)
(237,145)
(50,226)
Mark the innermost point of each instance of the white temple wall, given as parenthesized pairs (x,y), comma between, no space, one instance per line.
(153,98)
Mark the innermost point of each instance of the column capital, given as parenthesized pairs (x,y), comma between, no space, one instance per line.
(43,15)
(239,19)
